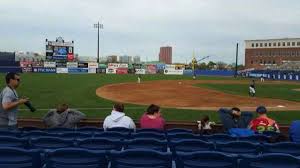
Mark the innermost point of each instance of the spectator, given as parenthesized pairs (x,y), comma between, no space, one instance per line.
(10,101)
(204,125)
(262,122)
(62,116)
(117,118)
(234,118)
(152,118)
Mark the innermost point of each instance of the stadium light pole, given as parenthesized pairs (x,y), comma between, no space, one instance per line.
(236,60)
(98,26)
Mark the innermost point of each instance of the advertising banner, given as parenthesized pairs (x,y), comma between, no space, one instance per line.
(113,65)
(122,71)
(83,65)
(92,70)
(169,66)
(37,64)
(61,64)
(160,66)
(151,69)
(44,70)
(179,66)
(72,64)
(297,77)
(101,70)
(123,66)
(140,71)
(93,65)
(26,69)
(25,64)
(111,70)
(50,64)
(78,70)
(61,70)
(173,72)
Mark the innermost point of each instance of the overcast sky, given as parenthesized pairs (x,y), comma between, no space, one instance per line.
(141,27)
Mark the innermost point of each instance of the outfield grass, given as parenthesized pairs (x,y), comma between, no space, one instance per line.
(47,90)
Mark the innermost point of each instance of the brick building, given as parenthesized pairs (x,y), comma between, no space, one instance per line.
(165,55)
(271,52)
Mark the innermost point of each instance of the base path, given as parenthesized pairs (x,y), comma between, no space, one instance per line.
(182,94)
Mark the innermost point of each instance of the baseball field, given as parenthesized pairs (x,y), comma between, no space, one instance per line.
(181,98)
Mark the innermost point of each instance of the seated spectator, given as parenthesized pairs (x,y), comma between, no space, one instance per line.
(262,122)
(234,118)
(117,118)
(152,118)
(204,125)
(62,116)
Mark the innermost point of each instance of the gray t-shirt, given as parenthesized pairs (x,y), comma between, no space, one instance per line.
(8,117)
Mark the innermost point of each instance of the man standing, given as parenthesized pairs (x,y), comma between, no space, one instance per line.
(10,101)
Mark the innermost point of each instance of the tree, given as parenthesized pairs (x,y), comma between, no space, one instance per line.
(210,65)
(221,65)
(203,65)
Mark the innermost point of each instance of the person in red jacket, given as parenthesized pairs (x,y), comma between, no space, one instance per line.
(152,118)
(263,122)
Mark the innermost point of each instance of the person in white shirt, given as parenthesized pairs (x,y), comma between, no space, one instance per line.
(117,118)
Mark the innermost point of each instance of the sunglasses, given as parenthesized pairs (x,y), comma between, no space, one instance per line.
(18,79)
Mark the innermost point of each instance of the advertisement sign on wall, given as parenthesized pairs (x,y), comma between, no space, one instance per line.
(78,70)
(169,66)
(26,69)
(83,65)
(61,70)
(113,65)
(72,64)
(37,64)
(140,71)
(122,71)
(111,70)
(151,69)
(50,64)
(93,65)
(92,70)
(44,70)
(173,72)
(25,64)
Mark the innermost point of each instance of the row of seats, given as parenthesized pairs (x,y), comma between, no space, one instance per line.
(139,158)
(188,145)
(155,135)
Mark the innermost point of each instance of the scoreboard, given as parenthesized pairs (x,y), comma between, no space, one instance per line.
(59,50)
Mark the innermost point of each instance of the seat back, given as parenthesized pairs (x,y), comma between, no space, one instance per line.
(239,147)
(99,144)
(50,143)
(147,143)
(283,147)
(158,136)
(6,141)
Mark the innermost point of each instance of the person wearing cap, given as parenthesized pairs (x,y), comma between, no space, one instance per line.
(263,122)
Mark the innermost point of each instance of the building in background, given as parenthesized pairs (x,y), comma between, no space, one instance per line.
(125,59)
(112,59)
(165,55)
(29,56)
(261,54)
(136,59)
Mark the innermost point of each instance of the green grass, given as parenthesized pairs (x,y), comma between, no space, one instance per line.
(47,90)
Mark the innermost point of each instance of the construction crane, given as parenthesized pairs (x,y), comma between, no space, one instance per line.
(194,62)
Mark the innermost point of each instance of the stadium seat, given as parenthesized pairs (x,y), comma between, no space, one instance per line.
(205,160)
(182,136)
(9,133)
(270,161)
(178,130)
(220,138)
(140,158)
(270,133)
(147,143)
(158,136)
(191,145)
(75,158)
(50,143)
(60,130)
(283,147)
(89,130)
(239,147)
(120,129)
(99,144)
(27,129)
(149,130)
(294,131)
(255,138)
(112,135)
(19,158)
(36,134)
(75,135)
(6,141)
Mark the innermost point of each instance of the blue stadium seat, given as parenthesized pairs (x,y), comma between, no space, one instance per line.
(220,138)
(89,130)
(140,158)
(158,136)
(270,133)
(147,143)
(75,158)
(112,135)
(36,134)
(270,161)
(19,158)
(10,133)
(283,147)
(99,144)
(255,138)
(182,136)
(60,130)
(178,130)
(121,130)
(50,143)
(27,129)
(239,147)
(149,130)
(75,135)
(294,132)
(191,145)
(205,160)
(6,141)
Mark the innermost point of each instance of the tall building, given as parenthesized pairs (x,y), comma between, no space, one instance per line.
(125,59)
(165,55)
(136,59)
(260,54)
(112,59)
